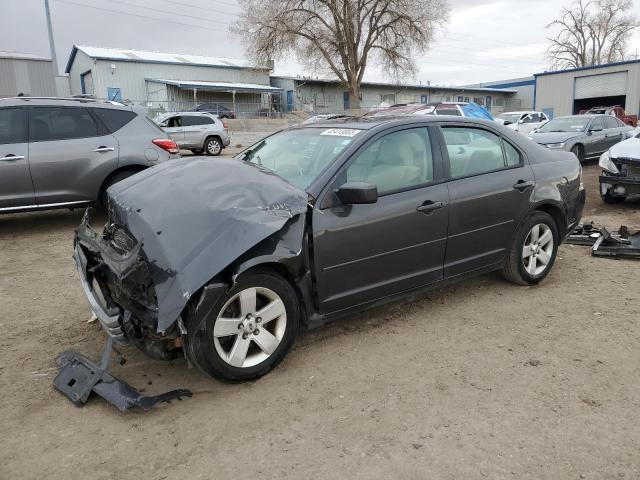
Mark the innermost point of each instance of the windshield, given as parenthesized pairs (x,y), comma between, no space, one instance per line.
(566,124)
(510,117)
(300,155)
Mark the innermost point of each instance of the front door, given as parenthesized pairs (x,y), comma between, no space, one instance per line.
(366,252)
(490,189)
(16,188)
(70,154)
(595,141)
(174,128)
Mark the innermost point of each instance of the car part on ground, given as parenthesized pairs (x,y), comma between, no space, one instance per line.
(65,153)
(196,131)
(620,171)
(314,223)
(622,244)
(79,376)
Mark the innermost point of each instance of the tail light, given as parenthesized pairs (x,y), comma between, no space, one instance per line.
(225,125)
(166,144)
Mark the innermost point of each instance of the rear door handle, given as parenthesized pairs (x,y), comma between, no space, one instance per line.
(522,185)
(429,206)
(12,158)
(104,149)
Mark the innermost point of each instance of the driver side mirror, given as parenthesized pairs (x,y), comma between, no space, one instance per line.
(355,193)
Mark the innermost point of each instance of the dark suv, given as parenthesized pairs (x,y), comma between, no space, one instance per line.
(63,153)
(217,109)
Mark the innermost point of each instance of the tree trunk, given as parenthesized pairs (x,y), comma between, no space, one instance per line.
(354,96)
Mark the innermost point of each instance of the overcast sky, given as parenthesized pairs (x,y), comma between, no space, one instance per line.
(483,41)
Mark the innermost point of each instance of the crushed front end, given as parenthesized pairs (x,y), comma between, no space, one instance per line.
(620,177)
(116,278)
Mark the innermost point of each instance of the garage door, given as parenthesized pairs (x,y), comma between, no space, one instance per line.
(605,85)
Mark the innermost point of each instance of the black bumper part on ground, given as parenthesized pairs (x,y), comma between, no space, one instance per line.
(79,376)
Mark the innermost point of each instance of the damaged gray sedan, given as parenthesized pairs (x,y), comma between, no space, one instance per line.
(224,261)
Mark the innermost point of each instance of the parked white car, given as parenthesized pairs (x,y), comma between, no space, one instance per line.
(524,122)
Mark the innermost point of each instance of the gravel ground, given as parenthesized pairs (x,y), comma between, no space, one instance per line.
(479,380)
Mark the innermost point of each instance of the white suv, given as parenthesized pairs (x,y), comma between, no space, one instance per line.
(524,122)
(196,131)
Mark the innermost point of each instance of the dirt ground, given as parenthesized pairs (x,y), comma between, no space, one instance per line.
(480,380)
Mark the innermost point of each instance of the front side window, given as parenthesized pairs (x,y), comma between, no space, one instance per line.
(13,128)
(610,122)
(473,151)
(397,161)
(174,122)
(597,124)
(301,154)
(61,123)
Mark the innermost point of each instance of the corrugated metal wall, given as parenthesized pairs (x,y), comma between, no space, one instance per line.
(557,91)
(33,77)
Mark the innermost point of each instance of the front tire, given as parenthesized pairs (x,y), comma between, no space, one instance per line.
(249,330)
(612,200)
(534,250)
(578,151)
(213,146)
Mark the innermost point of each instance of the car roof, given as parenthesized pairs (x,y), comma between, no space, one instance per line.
(368,123)
(60,101)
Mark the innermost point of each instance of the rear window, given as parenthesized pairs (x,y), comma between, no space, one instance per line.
(188,120)
(61,123)
(113,119)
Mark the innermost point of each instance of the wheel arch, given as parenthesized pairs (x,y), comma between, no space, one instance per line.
(127,168)
(556,212)
(209,137)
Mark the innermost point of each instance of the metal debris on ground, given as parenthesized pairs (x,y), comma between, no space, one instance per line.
(603,243)
(79,376)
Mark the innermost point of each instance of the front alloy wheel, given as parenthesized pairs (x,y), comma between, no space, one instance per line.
(248,331)
(538,249)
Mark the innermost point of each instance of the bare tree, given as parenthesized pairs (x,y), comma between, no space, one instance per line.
(592,33)
(341,35)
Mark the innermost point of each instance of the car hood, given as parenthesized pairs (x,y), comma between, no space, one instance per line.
(629,148)
(193,218)
(554,137)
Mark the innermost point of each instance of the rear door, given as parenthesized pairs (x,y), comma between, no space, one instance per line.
(612,131)
(490,190)
(70,154)
(366,252)
(196,128)
(16,188)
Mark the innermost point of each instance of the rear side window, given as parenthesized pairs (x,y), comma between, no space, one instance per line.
(473,151)
(113,119)
(447,111)
(59,123)
(611,122)
(13,127)
(189,120)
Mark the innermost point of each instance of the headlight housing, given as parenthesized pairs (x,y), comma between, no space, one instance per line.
(606,163)
(555,145)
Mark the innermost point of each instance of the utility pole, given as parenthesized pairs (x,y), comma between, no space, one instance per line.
(52,45)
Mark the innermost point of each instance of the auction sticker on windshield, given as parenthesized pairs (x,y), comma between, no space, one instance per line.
(341,132)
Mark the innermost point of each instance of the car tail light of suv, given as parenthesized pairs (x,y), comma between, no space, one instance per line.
(225,125)
(166,144)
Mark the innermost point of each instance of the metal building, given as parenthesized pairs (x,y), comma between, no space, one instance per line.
(23,73)
(168,81)
(567,92)
(328,96)
(523,86)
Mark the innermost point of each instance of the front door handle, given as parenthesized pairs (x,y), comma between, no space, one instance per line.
(104,149)
(429,206)
(522,185)
(12,158)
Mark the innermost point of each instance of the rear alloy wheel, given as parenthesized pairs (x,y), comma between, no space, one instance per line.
(213,146)
(534,250)
(250,330)
(578,151)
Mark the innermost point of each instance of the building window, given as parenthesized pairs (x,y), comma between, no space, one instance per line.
(389,98)
(461,99)
(114,94)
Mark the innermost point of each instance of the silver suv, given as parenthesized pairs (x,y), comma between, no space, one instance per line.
(65,153)
(196,131)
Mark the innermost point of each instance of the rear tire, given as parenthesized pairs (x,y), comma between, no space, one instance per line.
(117,177)
(612,200)
(213,146)
(248,331)
(532,254)
(578,151)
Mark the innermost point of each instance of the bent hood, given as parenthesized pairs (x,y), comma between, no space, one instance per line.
(554,137)
(629,148)
(195,217)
